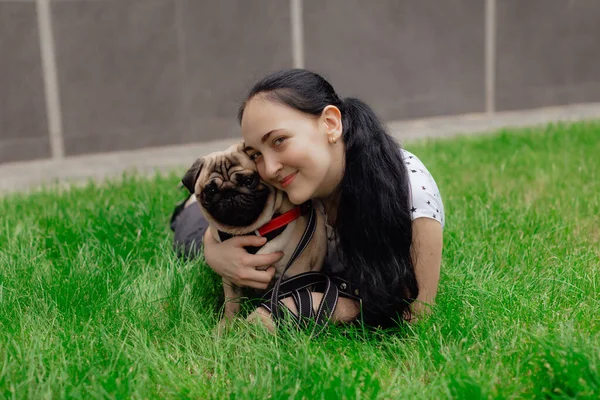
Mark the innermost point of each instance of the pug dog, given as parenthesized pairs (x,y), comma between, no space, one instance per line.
(235,201)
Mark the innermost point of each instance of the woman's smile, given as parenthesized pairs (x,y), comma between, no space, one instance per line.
(287,180)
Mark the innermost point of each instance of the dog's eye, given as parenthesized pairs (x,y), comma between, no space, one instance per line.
(210,190)
(249,181)
(254,156)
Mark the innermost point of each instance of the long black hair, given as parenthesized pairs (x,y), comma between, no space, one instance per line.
(373,220)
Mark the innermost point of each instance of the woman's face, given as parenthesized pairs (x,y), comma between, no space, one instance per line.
(293,150)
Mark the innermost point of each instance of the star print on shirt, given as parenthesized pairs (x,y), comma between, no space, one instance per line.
(423,187)
(413,170)
(428,202)
(413,209)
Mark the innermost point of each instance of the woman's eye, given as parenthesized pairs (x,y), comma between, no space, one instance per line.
(278,141)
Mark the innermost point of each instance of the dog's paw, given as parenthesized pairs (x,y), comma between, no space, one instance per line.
(224,325)
(262,316)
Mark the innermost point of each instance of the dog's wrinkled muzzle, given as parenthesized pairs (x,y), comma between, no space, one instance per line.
(235,206)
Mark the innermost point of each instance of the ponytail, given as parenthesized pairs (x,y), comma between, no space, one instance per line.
(373,219)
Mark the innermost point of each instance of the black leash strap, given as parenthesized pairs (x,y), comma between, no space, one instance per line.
(300,288)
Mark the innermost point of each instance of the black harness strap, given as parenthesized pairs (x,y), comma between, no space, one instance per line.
(306,237)
(300,288)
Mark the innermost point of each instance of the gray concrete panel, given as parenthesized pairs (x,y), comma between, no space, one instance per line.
(22,107)
(119,71)
(584,51)
(548,53)
(407,59)
(228,46)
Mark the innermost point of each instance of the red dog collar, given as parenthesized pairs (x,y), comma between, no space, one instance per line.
(273,228)
(280,221)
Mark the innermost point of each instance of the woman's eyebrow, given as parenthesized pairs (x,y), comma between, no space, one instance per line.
(263,139)
(266,136)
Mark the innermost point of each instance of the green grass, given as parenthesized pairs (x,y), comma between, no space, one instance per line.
(94,304)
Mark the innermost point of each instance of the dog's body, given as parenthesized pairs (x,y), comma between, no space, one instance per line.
(234,201)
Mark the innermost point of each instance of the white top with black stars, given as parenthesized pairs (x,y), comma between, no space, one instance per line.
(425,198)
(425,202)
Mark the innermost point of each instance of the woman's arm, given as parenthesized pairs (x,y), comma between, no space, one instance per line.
(427,259)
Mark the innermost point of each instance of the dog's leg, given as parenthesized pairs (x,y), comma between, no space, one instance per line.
(262,315)
(232,299)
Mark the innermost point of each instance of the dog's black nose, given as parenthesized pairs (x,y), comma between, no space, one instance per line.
(249,181)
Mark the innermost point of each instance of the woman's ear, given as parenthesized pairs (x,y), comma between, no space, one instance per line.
(331,117)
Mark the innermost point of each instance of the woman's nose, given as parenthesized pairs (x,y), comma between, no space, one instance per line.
(272,167)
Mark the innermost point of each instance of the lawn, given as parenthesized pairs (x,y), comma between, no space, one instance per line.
(93,303)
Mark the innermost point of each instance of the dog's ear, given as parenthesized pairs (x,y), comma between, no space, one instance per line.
(189,179)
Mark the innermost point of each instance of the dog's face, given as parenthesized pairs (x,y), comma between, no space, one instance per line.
(229,190)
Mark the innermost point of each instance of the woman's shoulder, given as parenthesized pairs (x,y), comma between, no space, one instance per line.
(410,159)
(426,200)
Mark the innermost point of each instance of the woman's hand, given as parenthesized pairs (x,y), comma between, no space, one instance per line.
(231,261)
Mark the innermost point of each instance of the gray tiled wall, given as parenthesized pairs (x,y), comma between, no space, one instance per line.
(406,58)
(548,53)
(119,73)
(23,123)
(228,45)
(138,73)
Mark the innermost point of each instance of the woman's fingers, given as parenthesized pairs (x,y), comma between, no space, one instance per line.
(257,272)
(261,261)
(248,240)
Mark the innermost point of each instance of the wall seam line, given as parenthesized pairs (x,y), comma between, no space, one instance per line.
(490,56)
(50,78)
(297,30)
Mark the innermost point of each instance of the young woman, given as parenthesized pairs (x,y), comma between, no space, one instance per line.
(384,211)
